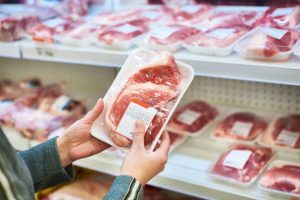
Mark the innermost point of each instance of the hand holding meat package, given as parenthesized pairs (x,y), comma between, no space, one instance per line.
(282,177)
(148,87)
(266,43)
(242,164)
(283,133)
(240,126)
(192,118)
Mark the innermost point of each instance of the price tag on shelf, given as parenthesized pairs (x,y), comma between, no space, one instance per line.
(45,51)
(241,128)
(288,138)
(188,117)
(237,158)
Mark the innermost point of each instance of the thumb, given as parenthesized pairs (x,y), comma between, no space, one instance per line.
(138,136)
(92,115)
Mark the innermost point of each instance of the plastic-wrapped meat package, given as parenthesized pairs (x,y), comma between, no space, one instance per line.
(47,31)
(240,126)
(297,49)
(168,37)
(242,163)
(121,36)
(84,35)
(148,87)
(192,118)
(282,177)
(189,13)
(175,140)
(13,27)
(114,18)
(283,132)
(266,43)
(282,17)
(73,7)
(217,42)
(152,15)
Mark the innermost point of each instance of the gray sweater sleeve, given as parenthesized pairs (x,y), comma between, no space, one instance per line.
(125,188)
(45,167)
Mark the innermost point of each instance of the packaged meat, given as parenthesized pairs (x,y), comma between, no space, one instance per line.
(122,36)
(192,119)
(47,31)
(297,49)
(148,87)
(267,43)
(215,42)
(242,164)
(73,7)
(167,38)
(84,35)
(282,17)
(176,140)
(188,14)
(115,18)
(240,126)
(283,132)
(282,177)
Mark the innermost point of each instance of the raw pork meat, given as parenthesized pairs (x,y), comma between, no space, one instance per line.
(157,86)
(286,125)
(123,32)
(73,7)
(269,43)
(174,34)
(241,126)
(204,113)
(219,37)
(257,160)
(282,17)
(285,178)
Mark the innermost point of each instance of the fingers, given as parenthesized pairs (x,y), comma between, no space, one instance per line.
(165,143)
(92,115)
(138,136)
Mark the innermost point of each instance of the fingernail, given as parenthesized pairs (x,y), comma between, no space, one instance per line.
(99,100)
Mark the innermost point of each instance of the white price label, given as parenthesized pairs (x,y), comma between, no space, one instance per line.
(164,32)
(151,15)
(274,32)
(237,158)
(282,11)
(43,51)
(126,28)
(189,9)
(221,33)
(188,117)
(288,138)
(134,112)
(54,22)
(61,103)
(241,128)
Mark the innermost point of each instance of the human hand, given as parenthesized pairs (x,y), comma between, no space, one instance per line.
(144,165)
(77,142)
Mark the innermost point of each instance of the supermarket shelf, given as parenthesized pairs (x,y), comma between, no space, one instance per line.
(231,67)
(10,49)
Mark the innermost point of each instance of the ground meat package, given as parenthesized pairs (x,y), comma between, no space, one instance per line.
(193,118)
(148,87)
(241,164)
(282,177)
(283,133)
(241,126)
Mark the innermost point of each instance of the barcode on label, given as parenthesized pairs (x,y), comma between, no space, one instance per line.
(241,128)
(237,158)
(134,112)
(288,138)
(188,117)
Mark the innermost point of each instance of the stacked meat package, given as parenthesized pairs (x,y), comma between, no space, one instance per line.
(36,110)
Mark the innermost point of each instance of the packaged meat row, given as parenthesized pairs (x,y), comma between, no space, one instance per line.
(236,125)
(36,110)
(145,74)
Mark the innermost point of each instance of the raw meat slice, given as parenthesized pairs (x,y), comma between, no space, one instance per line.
(73,7)
(174,34)
(123,32)
(157,90)
(114,18)
(219,37)
(253,166)
(285,125)
(282,17)
(285,178)
(203,112)
(241,126)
